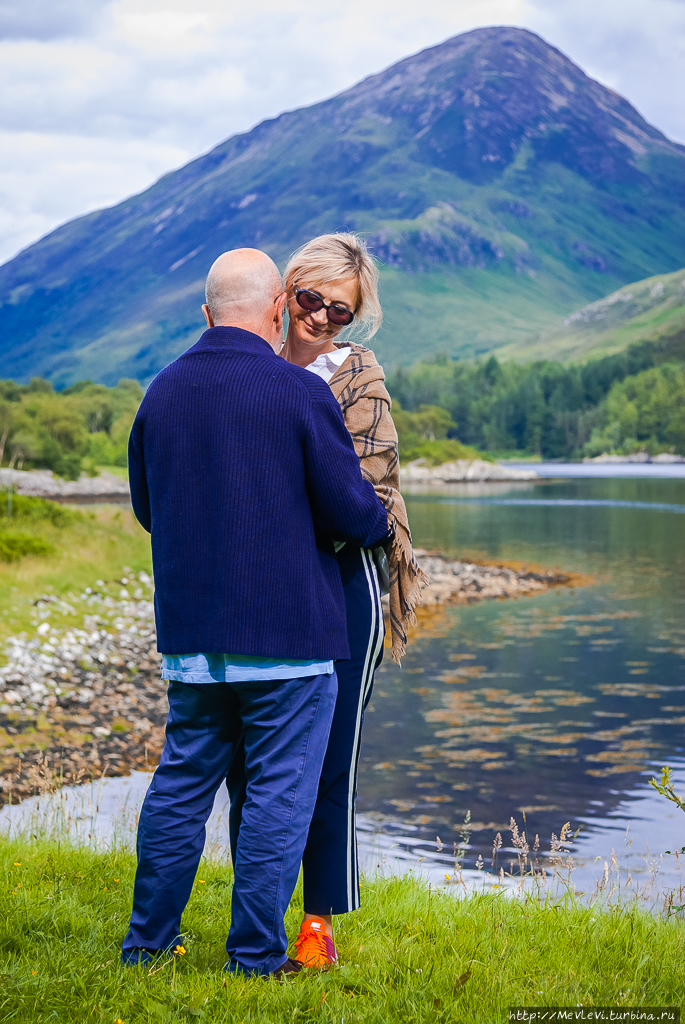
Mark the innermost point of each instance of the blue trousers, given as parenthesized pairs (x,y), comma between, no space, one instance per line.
(269,739)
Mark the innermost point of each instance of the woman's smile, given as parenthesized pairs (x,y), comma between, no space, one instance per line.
(311,333)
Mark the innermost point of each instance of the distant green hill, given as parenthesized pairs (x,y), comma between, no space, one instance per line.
(501,187)
(650,310)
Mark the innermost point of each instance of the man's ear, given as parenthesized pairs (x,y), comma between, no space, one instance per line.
(280,306)
(208,315)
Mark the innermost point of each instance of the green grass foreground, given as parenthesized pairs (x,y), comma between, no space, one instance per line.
(410,954)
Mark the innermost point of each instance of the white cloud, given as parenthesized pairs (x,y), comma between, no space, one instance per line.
(98,97)
(50,173)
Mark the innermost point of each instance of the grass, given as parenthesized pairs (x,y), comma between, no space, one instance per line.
(649,310)
(60,550)
(410,954)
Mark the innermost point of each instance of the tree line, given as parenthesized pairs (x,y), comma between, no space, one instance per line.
(443,410)
(70,431)
(632,401)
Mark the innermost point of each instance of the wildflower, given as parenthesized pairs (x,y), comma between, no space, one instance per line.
(34,972)
(116,879)
(180,950)
(17,863)
(201,881)
(447,877)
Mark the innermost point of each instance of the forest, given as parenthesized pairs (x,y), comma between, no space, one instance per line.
(624,403)
(71,431)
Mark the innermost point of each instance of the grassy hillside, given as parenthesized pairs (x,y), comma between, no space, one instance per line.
(501,188)
(650,310)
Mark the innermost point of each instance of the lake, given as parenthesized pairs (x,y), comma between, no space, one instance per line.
(559,706)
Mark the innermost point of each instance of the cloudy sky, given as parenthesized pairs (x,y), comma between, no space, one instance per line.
(100,97)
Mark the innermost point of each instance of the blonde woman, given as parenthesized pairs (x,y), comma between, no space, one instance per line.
(332,284)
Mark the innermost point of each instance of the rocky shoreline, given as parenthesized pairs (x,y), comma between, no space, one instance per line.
(664,459)
(463,471)
(79,703)
(40,483)
(452,581)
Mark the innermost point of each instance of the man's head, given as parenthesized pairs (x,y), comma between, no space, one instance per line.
(244,290)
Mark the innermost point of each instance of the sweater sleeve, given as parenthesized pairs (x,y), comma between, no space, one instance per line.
(140,496)
(344,505)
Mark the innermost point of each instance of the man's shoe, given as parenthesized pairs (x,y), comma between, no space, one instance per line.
(289,967)
(314,947)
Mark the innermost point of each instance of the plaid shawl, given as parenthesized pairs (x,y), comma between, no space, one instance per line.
(359,387)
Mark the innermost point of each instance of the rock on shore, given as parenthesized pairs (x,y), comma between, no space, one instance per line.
(462,470)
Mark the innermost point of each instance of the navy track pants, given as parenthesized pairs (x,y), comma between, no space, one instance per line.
(330,865)
(269,739)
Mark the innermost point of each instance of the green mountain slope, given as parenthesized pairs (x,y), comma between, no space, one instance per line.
(650,310)
(501,187)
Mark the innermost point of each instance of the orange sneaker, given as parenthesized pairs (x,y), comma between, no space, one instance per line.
(313,947)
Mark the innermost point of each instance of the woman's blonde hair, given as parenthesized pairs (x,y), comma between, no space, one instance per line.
(333,257)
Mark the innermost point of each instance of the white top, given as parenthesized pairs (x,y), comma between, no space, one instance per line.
(327,363)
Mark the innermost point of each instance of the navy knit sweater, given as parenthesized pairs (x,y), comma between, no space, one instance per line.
(243,471)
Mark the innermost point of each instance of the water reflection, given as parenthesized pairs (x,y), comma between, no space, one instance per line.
(549,706)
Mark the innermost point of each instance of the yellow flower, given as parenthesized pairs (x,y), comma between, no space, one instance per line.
(34,972)
(180,950)
(116,879)
(17,863)
(201,881)
(118,1021)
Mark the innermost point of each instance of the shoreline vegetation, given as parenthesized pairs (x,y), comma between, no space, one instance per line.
(80,693)
(412,953)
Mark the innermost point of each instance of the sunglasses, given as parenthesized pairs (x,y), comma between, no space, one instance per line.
(339,315)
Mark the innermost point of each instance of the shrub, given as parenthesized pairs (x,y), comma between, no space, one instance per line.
(15,545)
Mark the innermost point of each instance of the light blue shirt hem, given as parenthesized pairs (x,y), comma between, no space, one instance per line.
(237,668)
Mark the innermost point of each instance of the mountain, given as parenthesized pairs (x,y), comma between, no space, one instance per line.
(500,185)
(652,310)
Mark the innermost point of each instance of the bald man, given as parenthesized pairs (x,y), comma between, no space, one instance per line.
(242,470)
